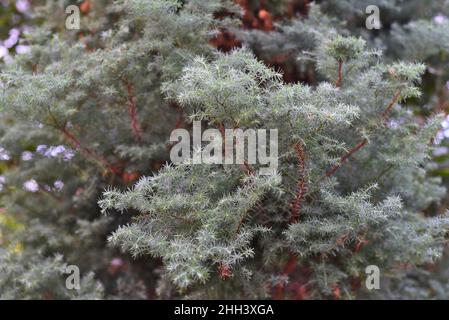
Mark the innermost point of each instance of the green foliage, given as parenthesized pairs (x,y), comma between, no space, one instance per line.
(30,276)
(96,107)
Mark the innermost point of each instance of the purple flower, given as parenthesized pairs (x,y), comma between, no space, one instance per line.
(439,137)
(41,148)
(4,154)
(440,19)
(69,154)
(22,5)
(12,39)
(10,42)
(3,51)
(21,49)
(14,32)
(53,152)
(2,182)
(56,151)
(117,262)
(27,155)
(393,124)
(31,185)
(440,151)
(445,124)
(58,184)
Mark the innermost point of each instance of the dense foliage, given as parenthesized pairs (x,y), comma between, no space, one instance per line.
(86,119)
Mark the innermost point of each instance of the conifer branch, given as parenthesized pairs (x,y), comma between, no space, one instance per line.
(78,145)
(364,141)
(345,157)
(203,222)
(295,210)
(246,167)
(87,151)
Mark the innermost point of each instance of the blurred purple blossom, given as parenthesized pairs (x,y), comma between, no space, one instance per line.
(13,38)
(69,154)
(27,155)
(56,151)
(117,262)
(21,49)
(53,152)
(393,124)
(440,151)
(22,5)
(440,19)
(31,185)
(58,184)
(3,52)
(439,137)
(444,133)
(4,154)
(41,148)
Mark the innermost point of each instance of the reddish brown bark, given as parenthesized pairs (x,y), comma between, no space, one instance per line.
(132,111)
(340,74)
(301,189)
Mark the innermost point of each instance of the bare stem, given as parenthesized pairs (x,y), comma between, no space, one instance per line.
(301,188)
(340,74)
(132,111)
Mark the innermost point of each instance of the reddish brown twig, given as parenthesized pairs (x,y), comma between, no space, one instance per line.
(336,292)
(132,111)
(364,141)
(390,106)
(224,271)
(222,130)
(340,241)
(87,151)
(301,188)
(340,74)
(247,168)
(345,157)
(361,241)
(289,267)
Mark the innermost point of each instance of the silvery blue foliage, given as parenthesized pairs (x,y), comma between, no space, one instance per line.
(355,145)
